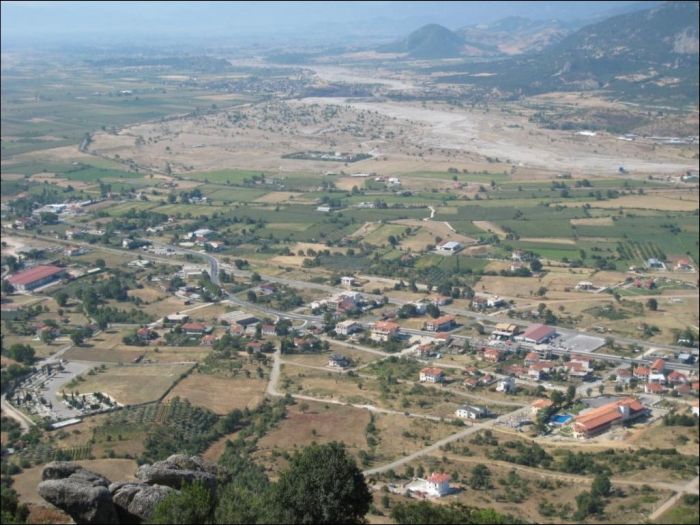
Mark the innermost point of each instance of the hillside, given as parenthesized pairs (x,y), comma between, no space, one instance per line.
(516,35)
(430,41)
(651,55)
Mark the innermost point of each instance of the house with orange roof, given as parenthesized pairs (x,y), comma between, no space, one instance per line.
(442,323)
(540,404)
(641,373)
(658,366)
(654,388)
(431,375)
(677,378)
(600,419)
(382,331)
(493,355)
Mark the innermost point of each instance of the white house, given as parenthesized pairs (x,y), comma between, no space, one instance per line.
(347,327)
(347,281)
(506,385)
(431,375)
(495,301)
(449,247)
(470,412)
(438,484)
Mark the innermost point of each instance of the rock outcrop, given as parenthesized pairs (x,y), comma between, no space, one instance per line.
(135,502)
(82,494)
(89,498)
(179,469)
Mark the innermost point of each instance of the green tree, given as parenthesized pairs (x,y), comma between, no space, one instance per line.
(480,478)
(322,485)
(587,504)
(192,505)
(100,263)
(652,304)
(77,338)
(556,397)
(535,265)
(61,299)
(570,393)
(601,485)
(21,353)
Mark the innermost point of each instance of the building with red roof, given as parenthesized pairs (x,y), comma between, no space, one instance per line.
(538,333)
(431,375)
(540,404)
(35,277)
(440,324)
(600,419)
(676,377)
(384,330)
(493,355)
(438,484)
(194,328)
(654,388)
(658,366)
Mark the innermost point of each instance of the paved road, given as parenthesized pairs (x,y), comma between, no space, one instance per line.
(214,273)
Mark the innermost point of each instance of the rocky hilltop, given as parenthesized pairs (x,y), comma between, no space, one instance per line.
(90,498)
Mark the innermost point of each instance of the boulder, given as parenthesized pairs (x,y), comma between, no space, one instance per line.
(80,499)
(135,502)
(81,493)
(177,470)
(59,470)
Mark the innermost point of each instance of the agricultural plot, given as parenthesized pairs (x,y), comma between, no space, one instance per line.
(220,394)
(132,384)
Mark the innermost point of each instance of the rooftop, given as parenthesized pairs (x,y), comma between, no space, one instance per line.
(538,331)
(34,274)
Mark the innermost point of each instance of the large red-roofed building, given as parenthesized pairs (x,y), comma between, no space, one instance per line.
(35,277)
(602,418)
(538,333)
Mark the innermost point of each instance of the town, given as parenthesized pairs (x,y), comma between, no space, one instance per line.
(477,302)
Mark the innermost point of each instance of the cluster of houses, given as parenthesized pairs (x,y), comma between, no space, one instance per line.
(203,237)
(345,303)
(480,302)
(657,379)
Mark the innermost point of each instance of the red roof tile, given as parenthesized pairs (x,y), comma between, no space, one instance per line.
(34,274)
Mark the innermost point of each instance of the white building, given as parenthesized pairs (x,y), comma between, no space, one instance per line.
(506,385)
(449,247)
(421,307)
(495,301)
(347,281)
(347,327)
(470,412)
(438,484)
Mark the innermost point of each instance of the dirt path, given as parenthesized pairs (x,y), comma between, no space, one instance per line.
(15,414)
(436,446)
(689,488)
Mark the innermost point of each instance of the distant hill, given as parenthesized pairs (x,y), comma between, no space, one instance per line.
(516,35)
(430,41)
(650,54)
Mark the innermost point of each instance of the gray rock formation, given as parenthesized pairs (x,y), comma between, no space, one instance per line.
(178,469)
(135,502)
(90,498)
(82,494)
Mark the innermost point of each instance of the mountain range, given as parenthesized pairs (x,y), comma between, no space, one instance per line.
(651,54)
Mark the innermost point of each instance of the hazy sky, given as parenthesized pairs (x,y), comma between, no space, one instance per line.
(124,20)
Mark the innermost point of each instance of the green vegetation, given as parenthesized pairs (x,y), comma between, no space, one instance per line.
(322,484)
(453,513)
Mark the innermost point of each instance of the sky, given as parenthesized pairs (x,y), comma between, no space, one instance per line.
(121,21)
